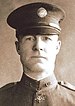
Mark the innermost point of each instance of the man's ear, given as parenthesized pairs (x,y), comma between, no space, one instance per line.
(58,46)
(17,47)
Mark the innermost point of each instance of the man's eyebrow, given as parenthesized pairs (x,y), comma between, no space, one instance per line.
(51,34)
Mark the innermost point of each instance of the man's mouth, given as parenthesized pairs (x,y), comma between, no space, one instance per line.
(40,57)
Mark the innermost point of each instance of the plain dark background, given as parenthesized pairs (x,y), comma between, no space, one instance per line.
(10,67)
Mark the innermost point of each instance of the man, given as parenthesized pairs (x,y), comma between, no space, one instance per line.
(37,30)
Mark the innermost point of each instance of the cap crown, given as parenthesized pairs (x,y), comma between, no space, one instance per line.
(36,15)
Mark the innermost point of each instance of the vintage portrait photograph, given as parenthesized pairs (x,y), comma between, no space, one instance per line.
(37,52)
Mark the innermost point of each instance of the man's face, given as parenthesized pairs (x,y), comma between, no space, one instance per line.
(38,52)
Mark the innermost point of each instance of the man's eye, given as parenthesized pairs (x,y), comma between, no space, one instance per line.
(30,38)
(47,38)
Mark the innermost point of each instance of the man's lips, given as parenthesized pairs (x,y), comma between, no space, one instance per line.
(38,57)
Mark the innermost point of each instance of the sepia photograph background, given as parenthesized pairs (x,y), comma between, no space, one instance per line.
(10,66)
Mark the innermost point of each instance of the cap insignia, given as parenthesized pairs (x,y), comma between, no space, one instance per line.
(42,12)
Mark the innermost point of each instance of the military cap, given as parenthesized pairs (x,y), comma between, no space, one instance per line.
(36,18)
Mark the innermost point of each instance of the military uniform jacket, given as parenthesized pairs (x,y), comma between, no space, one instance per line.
(29,92)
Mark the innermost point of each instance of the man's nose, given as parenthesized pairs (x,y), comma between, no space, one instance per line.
(38,45)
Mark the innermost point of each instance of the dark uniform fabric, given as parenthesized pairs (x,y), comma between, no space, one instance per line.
(29,92)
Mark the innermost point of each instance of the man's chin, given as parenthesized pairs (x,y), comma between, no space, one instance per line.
(39,67)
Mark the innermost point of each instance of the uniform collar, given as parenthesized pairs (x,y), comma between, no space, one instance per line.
(38,85)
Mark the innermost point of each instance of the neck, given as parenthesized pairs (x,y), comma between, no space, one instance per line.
(52,77)
(40,78)
(42,83)
(39,75)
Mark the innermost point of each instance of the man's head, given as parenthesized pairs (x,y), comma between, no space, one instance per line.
(37,29)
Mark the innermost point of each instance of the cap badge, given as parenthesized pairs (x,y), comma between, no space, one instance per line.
(42,12)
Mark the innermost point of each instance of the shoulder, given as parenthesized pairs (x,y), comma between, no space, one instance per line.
(7,93)
(67,92)
(63,94)
(67,85)
(8,86)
